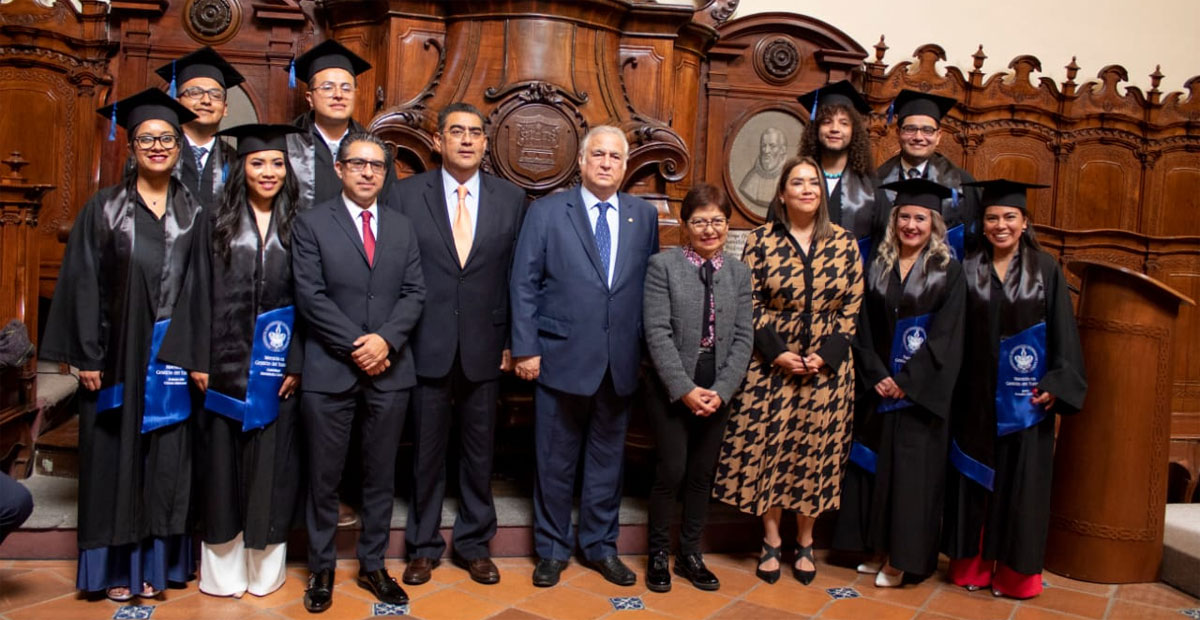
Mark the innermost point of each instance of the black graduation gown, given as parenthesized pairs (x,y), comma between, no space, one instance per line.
(941,170)
(247,481)
(121,272)
(1015,516)
(313,163)
(898,509)
(853,205)
(206,185)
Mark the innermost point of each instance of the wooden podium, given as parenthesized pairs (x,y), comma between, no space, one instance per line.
(1110,463)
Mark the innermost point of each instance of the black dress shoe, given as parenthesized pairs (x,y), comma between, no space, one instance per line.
(615,571)
(658,573)
(383,586)
(319,594)
(692,568)
(547,572)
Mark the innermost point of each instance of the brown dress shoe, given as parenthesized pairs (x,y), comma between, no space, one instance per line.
(482,570)
(418,571)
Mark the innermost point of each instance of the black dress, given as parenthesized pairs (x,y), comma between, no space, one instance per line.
(896,509)
(121,273)
(1001,484)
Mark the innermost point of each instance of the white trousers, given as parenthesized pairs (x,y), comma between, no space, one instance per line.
(230,569)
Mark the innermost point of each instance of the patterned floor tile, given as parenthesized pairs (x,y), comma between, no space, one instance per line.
(134,612)
(626,603)
(841,593)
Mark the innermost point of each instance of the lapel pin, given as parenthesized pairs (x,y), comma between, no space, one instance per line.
(631,220)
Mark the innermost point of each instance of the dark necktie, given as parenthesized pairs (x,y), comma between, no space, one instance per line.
(913,173)
(368,238)
(603,237)
(706,317)
(199,152)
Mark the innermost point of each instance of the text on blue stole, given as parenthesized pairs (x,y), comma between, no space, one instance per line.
(167,397)
(1022,364)
(268,361)
(908,338)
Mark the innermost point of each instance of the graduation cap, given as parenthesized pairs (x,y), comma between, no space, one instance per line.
(837,93)
(1003,192)
(327,55)
(204,62)
(150,104)
(254,137)
(910,102)
(919,192)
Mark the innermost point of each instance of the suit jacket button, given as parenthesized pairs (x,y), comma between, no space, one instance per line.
(365,328)
(370,297)
(462,279)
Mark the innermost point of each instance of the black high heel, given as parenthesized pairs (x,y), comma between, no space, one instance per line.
(768,552)
(805,576)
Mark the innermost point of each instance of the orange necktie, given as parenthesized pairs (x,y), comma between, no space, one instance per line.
(462,227)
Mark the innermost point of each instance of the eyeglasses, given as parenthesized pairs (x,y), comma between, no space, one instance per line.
(458,132)
(717,223)
(146,142)
(327,89)
(196,93)
(357,165)
(925,130)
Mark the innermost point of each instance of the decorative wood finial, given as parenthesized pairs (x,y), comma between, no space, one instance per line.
(881,48)
(1156,78)
(979,57)
(1072,71)
(14,162)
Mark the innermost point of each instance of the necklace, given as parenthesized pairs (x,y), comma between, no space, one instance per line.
(832,175)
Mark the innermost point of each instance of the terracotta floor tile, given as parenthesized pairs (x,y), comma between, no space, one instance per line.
(858,608)
(745,562)
(790,596)
(19,588)
(1157,594)
(591,581)
(562,602)
(742,610)
(515,586)
(1070,601)
(203,606)
(291,590)
(516,614)
(686,602)
(734,582)
(454,604)
(1125,610)
(344,608)
(68,607)
(979,605)
(1059,581)
(929,615)
(914,595)
(1025,612)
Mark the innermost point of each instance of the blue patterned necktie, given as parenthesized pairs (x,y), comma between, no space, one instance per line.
(199,152)
(913,173)
(603,236)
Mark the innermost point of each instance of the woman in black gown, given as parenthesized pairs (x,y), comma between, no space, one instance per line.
(234,331)
(124,264)
(1023,364)
(907,352)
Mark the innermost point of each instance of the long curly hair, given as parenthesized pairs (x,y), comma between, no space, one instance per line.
(937,254)
(859,160)
(233,200)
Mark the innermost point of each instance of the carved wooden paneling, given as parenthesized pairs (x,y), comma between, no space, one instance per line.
(1101,183)
(1174,185)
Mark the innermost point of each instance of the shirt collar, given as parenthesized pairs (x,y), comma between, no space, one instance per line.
(694,257)
(355,209)
(590,200)
(451,184)
(904,168)
(207,145)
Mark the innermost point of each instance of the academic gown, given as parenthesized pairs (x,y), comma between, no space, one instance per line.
(1014,514)
(121,272)
(206,185)
(247,481)
(853,205)
(313,163)
(941,170)
(897,509)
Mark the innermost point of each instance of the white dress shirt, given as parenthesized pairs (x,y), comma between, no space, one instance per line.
(904,168)
(613,216)
(333,145)
(192,146)
(356,215)
(450,184)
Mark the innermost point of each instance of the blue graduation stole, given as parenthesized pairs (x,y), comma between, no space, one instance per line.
(864,248)
(863,456)
(268,360)
(910,334)
(1022,364)
(167,399)
(954,239)
(971,468)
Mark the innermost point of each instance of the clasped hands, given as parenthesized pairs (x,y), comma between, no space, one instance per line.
(798,365)
(702,401)
(371,354)
(888,389)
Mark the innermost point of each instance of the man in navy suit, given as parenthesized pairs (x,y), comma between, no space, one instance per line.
(467,224)
(576,293)
(359,289)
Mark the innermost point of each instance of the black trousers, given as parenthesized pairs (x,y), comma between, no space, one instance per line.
(16,504)
(686,457)
(328,419)
(471,406)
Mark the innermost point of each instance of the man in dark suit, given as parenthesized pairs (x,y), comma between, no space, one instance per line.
(576,291)
(467,224)
(200,80)
(359,290)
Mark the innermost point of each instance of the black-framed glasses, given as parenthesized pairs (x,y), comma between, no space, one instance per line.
(327,89)
(146,142)
(358,164)
(196,93)
(458,132)
(699,223)
(925,130)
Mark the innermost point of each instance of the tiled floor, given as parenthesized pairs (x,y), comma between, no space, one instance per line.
(43,590)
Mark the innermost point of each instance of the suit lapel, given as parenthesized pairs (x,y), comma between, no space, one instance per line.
(342,217)
(626,226)
(578,214)
(486,216)
(435,202)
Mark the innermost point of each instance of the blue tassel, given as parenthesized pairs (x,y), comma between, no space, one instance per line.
(891,112)
(225,172)
(171,88)
(112,126)
(954,197)
(812,115)
(292,73)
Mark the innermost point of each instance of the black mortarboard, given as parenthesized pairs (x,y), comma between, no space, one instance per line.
(910,102)
(837,93)
(327,55)
(1004,192)
(254,137)
(147,105)
(204,62)
(919,192)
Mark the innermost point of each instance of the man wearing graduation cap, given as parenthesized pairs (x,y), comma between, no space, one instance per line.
(836,137)
(200,81)
(329,69)
(918,128)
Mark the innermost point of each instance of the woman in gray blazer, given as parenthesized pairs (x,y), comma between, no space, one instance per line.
(698,320)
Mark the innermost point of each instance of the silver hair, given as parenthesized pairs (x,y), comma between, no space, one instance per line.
(600,129)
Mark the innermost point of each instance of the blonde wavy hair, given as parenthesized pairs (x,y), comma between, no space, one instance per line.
(888,252)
